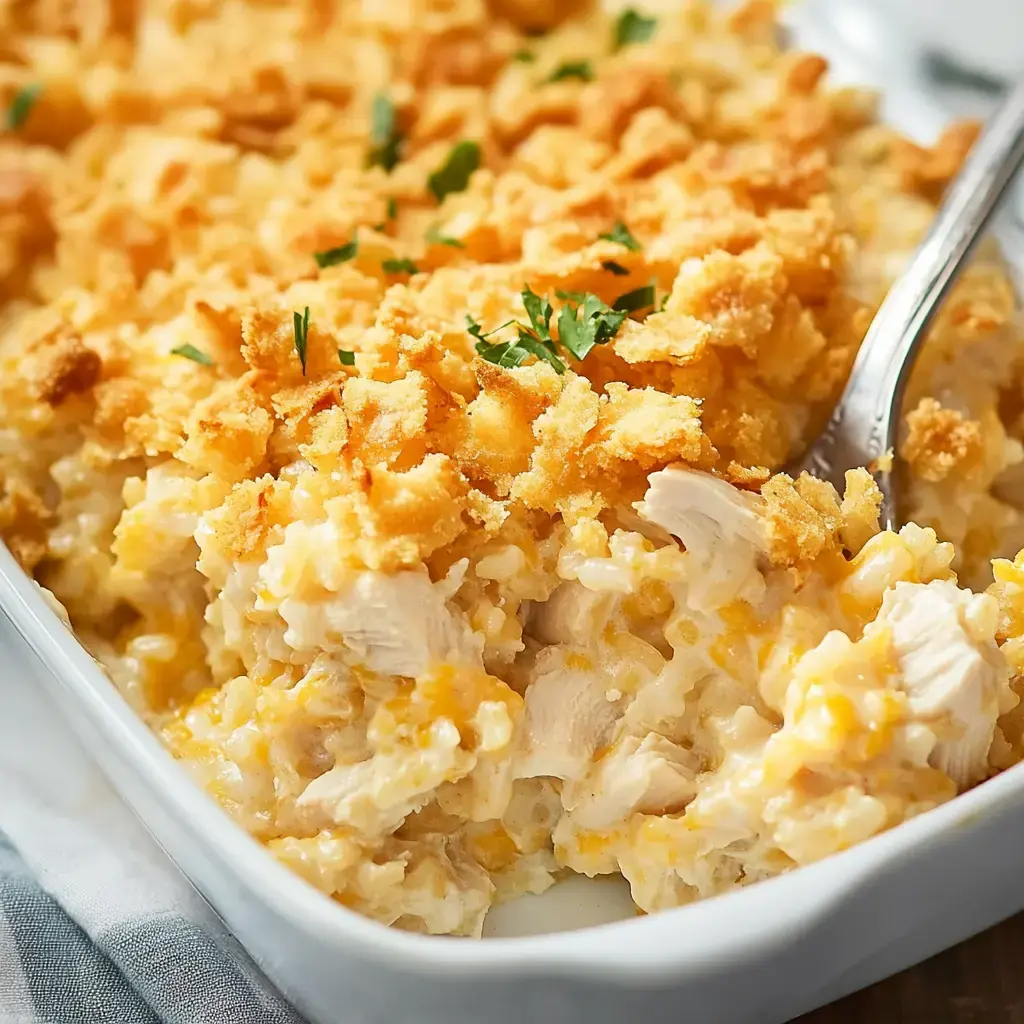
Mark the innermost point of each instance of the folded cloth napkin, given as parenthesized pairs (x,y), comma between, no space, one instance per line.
(97,926)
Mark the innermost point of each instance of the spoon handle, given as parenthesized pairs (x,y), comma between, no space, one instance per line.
(863,425)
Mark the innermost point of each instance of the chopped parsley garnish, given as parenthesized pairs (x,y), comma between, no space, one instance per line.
(586,324)
(583,322)
(21,106)
(385,138)
(301,325)
(503,353)
(463,160)
(639,298)
(523,56)
(434,237)
(620,233)
(400,267)
(581,69)
(511,353)
(191,352)
(633,27)
(539,311)
(477,331)
(339,254)
(344,357)
(614,268)
(392,208)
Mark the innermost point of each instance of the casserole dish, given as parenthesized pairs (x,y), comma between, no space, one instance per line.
(760,955)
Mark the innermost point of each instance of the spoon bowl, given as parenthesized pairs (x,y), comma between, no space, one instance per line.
(862,428)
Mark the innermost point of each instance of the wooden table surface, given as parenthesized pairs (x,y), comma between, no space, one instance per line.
(980,981)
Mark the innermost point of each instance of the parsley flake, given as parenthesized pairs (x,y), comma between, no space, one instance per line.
(620,233)
(540,349)
(477,331)
(345,357)
(614,268)
(385,138)
(583,325)
(503,353)
(523,56)
(392,208)
(539,311)
(463,160)
(191,352)
(580,69)
(399,267)
(633,27)
(528,343)
(301,326)
(639,298)
(21,106)
(339,254)
(583,322)
(434,237)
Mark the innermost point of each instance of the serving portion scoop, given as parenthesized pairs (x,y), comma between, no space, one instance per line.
(863,426)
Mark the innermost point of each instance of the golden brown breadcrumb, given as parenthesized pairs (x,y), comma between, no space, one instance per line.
(941,441)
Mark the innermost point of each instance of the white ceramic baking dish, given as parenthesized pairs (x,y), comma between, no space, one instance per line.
(760,955)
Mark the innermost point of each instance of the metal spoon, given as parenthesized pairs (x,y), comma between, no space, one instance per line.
(864,423)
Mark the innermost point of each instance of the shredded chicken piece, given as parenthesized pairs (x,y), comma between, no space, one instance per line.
(951,669)
(719,526)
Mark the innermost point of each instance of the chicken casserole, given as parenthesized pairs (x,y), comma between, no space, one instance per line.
(394,396)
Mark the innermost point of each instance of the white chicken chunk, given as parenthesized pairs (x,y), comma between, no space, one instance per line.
(649,776)
(395,624)
(376,795)
(568,715)
(572,614)
(719,528)
(951,670)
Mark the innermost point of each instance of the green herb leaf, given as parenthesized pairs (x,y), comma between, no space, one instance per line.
(584,325)
(620,233)
(514,353)
(399,267)
(191,352)
(344,357)
(21,106)
(539,311)
(463,160)
(581,69)
(541,350)
(589,324)
(392,208)
(503,353)
(633,27)
(639,298)
(434,237)
(523,56)
(385,138)
(583,322)
(614,268)
(301,326)
(477,331)
(339,254)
